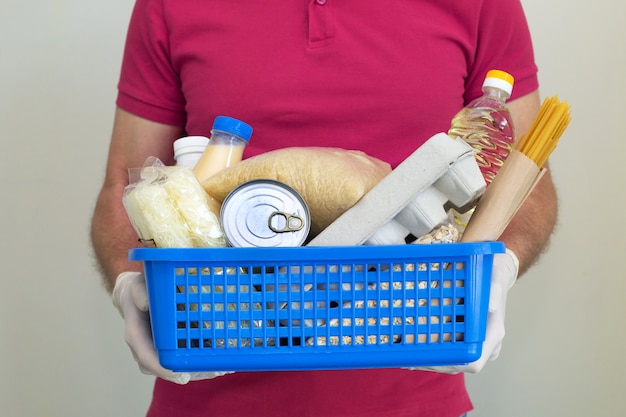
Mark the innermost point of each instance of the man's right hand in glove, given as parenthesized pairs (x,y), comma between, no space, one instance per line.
(130,297)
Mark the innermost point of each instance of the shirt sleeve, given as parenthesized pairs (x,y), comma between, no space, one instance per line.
(503,42)
(149,85)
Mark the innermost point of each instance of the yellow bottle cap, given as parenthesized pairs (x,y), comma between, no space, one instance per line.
(499,79)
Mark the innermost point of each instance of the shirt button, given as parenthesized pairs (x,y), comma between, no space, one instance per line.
(320,2)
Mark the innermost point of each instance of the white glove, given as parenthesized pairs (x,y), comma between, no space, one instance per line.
(504,274)
(130,297)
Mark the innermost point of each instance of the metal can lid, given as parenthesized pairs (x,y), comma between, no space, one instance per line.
(265,213)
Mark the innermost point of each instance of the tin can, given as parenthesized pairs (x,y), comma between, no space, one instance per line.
(265,213)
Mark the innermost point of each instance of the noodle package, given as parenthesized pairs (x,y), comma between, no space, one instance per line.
(168,207)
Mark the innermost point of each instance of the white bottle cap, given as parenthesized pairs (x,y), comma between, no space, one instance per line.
(188,150)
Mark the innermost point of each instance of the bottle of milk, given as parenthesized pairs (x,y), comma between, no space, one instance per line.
(229,138)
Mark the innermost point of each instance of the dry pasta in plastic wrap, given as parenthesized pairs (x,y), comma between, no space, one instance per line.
(167,206)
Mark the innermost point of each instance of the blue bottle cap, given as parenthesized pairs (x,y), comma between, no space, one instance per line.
(234,126)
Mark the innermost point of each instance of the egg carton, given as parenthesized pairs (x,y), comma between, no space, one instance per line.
(412,199)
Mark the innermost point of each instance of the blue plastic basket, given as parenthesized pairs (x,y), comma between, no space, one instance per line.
(254,309)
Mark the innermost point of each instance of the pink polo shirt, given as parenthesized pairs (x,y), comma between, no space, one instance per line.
(381,77)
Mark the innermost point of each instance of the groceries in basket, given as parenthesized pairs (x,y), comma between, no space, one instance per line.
(351,197)
(350,307)
(326,182)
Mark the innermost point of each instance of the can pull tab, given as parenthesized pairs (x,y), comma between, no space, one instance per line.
(281,222)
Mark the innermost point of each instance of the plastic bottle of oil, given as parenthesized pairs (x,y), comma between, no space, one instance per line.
(486,125)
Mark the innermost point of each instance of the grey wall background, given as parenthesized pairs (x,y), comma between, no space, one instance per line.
(61,348)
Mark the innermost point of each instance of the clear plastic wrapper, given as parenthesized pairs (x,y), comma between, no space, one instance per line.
(168,207)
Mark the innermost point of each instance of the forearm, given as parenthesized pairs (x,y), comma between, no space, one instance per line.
(133,140)
(529,232)
(112,235)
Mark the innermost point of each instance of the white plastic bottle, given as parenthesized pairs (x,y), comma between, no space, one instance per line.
(229,138)
(486,124)
(189,149)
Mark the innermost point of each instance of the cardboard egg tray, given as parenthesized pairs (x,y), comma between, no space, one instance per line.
(412,198)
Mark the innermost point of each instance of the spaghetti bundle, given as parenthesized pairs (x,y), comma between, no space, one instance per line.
(546,130)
